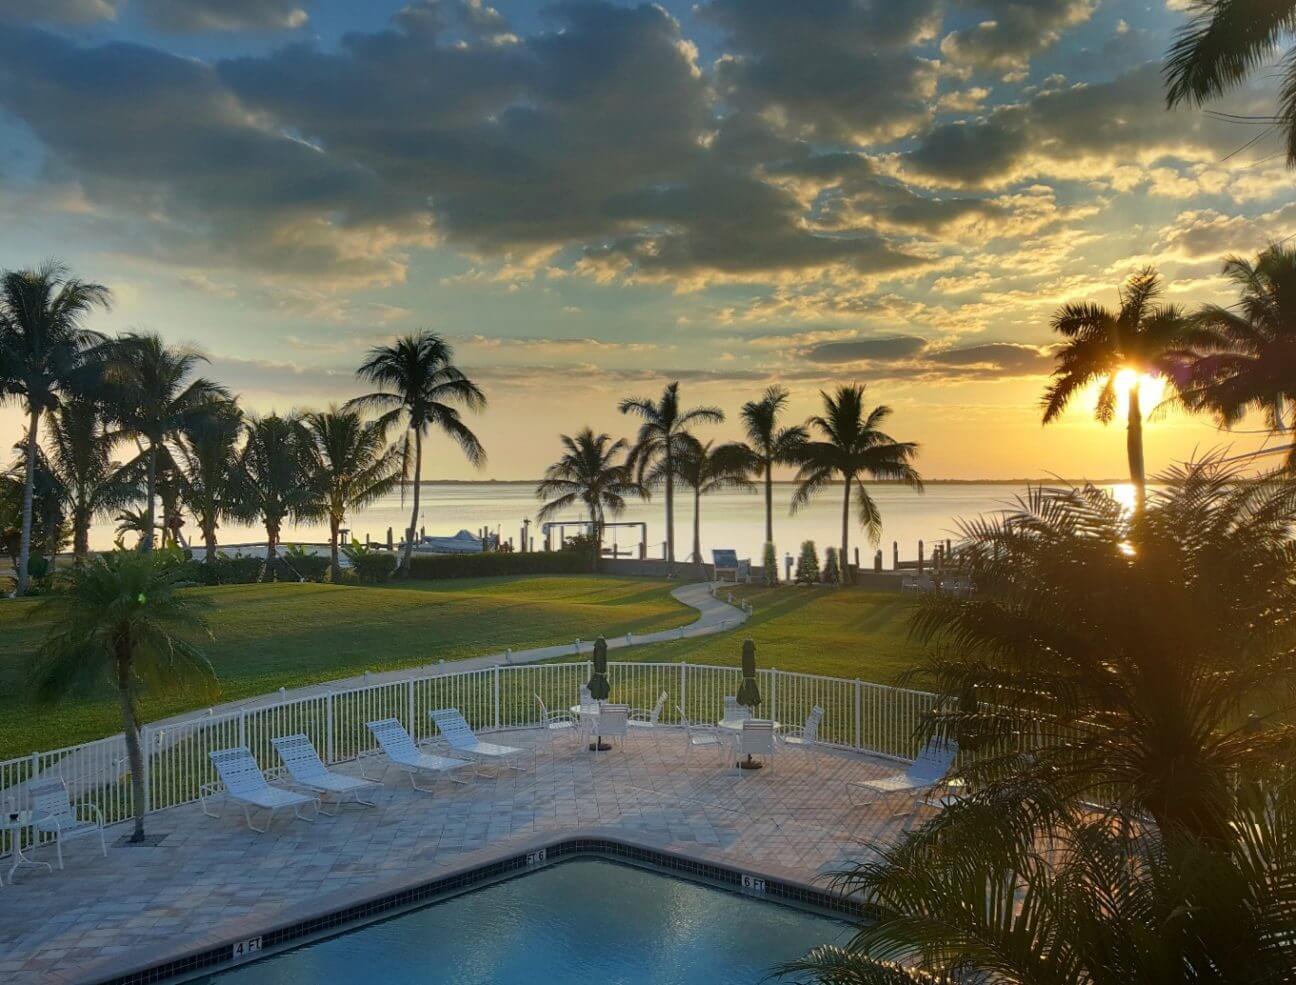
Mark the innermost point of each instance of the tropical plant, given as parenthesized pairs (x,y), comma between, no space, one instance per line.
(352,465)
(831,569)
(206,456)
(769,566)
(807,567)
(370,565)
(588,473)
(79,456)
(1247,360)
(421,384)
(122,618)
(43,344)
(664,433)
(1223,44)
(149,390)
(706,468)
(1127,651)
(769,444)
(274,466)
(1141,338)
(49,529)
(851,445)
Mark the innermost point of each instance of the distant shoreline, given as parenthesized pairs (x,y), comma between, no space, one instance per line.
(1046,480)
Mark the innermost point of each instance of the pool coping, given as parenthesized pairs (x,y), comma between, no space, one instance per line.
(213,952)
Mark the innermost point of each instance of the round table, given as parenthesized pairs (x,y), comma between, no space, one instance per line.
(735,725)
(590,713)
(14,825)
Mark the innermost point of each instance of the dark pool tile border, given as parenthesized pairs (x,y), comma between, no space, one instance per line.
(217,958)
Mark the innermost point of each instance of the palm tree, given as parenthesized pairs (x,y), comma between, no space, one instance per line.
(1130,648)
(207,463)
(587,473)
(122,618)
(1224,43)
(149,391)
(274,467)
(1141,337)
(663,436)
(770,444)
(42,345)
(79,455)
(1250,364)
(707,468)
(421,384)
(352,464)
(852,445)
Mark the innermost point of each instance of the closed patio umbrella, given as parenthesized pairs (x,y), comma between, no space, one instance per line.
(598,686)
(748,693)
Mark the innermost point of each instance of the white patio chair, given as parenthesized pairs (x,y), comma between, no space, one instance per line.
(755,739)
(924,775)
(733,711)
(307,770)
(460,737)
(805,737)
(612,722)
(642,719)
(244,783)
(556,723)
(699,736)
(395,744)
(53,813)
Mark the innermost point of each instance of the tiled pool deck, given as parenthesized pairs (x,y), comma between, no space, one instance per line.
(213,881)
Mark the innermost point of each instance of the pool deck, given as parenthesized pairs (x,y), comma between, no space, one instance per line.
(212,881)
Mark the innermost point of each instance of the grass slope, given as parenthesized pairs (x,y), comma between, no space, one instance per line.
(272,636)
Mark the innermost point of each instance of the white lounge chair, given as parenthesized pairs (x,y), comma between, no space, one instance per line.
(755,739)
(726,563)
(699,736)
(612,722)
(307,770)
(805,737)
(243,782)
(460,737)
(642,719)
(395,744)
(924,775)
(53,813)
(554,724)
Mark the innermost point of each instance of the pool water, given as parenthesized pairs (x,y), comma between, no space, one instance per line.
(586,921)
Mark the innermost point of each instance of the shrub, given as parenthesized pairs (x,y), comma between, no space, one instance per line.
(239,569)
(769,566)
(495,564)
(807,569)
(307,565)
(831,571)
(375,567)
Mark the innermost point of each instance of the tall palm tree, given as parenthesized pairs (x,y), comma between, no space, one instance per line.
(770,444)
(588,473)
(149,390)
(206,455)
(421,384)
(352,464)
(275,477)
(706,468)
(79,455)
(1250,363)
(1224,43)
(663,435)
(42,345)
(1142,337)
(123,619)
(849,446)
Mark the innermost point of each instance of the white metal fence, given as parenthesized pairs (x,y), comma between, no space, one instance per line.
(865,717)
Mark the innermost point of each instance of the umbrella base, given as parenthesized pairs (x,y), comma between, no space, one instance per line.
(600,746)
(748,764)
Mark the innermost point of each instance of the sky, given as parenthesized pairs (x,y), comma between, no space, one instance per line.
(591,199)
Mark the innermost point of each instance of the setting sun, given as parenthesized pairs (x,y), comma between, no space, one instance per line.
(1151,390)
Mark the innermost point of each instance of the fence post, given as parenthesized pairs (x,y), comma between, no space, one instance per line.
(243,726)
(774,694)
(495,675)
(859,712)
(683,689)
(329,742)
(146,740)
(409,704)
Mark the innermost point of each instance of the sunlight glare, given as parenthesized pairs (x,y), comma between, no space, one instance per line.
(1151,390)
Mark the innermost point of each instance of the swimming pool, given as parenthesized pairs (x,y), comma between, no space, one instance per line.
(586,921)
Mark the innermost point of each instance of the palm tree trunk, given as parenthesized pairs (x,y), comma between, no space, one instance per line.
(596,528)
(670,512)
(335,570)
(769,501)
(272,543)
(209,540)
(80,532)
(842,571)
(130,732)
(150,486)
(29,495)
(1134,448)
(697,526)
(418,475)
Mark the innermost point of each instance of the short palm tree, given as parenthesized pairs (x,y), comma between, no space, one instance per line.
(150,391)
(663,435)
(421,385)
(770,444)
(122,620)
(206,454)
(1129,649)
(79,454)
(588,473)
(706,468)
(1141,337)
(1247,362)
(1224,43)
(848,444)
(275,477)
(43,344)
(352,464)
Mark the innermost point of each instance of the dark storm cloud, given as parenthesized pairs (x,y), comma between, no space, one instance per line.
(996,358)
(896,347)
(181,16)
(1011,31)
(828,68)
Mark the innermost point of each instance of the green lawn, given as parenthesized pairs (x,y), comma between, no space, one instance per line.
(272,636)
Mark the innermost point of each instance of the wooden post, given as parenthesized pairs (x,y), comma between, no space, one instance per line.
(877,560)
(389,538)
(895,554)
(920,557)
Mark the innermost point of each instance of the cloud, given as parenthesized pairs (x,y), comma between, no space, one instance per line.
(59,11)
(179,16)
(1206,235)
(911,357)
(896,347)
(1012,32)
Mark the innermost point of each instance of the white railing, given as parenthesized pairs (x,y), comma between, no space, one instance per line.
(869,718)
